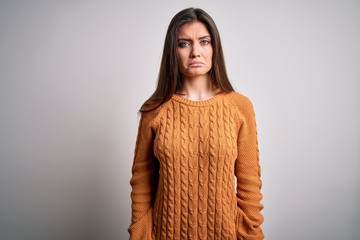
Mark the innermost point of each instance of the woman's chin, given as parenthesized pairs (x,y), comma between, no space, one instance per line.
(196,73)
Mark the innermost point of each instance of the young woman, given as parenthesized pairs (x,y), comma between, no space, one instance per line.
(195,134)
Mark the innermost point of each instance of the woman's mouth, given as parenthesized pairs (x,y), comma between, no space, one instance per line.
(195,64)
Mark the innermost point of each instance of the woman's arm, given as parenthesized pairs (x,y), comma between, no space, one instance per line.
(143,181)
(247,171)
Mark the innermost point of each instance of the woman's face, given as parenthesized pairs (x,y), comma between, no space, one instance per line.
(194,49)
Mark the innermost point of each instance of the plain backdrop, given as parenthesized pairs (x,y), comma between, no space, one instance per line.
(74,73)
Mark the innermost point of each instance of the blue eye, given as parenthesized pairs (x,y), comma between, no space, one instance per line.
(183,44)
(204,42)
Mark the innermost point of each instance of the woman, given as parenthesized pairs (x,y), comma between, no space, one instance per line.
(195,134)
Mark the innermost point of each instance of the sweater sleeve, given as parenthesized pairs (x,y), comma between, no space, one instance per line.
(143,181)
(247,171)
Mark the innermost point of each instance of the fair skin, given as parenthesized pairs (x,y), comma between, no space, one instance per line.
(195,58)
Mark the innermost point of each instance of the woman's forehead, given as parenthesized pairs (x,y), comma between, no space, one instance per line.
(193,30)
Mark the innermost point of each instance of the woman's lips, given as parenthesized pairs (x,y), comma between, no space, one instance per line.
(196,64)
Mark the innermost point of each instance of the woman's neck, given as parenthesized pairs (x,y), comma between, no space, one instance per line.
(197,89)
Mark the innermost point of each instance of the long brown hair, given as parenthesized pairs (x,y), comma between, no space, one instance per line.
(169,79)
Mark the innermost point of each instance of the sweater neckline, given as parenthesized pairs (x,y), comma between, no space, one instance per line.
(196,103)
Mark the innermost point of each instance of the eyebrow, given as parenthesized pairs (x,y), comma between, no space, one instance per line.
(188,39)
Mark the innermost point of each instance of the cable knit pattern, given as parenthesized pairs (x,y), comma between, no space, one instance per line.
(186,156)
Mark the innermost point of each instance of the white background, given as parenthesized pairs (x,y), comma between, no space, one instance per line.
(74,73)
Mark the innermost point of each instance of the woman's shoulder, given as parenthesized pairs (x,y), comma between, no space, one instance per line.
(148,117)
(239,100)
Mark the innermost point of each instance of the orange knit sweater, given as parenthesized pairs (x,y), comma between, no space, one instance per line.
(186,156)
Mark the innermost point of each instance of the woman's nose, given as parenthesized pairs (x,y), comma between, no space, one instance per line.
(195,51)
